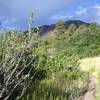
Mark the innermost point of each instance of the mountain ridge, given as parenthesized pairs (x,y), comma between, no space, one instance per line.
(44,29)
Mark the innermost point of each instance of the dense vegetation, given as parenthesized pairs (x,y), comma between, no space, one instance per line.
(47,67)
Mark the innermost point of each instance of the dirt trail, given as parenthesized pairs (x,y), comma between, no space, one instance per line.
(91,90)
(88,64)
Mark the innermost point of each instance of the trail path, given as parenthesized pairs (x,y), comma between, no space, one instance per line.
(91,90)
(93,86)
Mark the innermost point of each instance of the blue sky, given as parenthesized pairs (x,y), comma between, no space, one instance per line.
(15,13)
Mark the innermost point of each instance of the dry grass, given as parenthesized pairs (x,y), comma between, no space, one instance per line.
(92,64)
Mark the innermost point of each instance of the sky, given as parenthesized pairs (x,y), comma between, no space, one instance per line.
(15,13)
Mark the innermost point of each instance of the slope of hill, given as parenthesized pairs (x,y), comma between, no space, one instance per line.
(49,64)
(44,29)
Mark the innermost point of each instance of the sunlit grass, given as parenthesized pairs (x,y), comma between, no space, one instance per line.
(92,65)
(98,97)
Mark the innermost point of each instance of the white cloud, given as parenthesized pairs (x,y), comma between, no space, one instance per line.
(58,17)
(95,9)
(97,6)
(81,11)
(22,8)
(90,14)
(7,24)
(69,16)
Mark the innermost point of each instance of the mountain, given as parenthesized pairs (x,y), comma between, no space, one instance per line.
(47,28)
(44,29)
(76,22)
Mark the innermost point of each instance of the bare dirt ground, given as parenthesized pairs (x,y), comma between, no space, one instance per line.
(91,90)
(92,64)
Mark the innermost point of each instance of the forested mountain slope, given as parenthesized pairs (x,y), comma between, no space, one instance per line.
(47,67)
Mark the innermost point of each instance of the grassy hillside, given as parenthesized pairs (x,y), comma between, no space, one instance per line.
(49,65)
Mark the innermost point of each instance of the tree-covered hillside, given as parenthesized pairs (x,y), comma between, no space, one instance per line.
(34,67)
